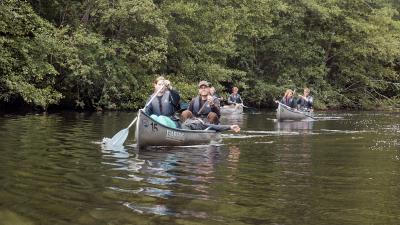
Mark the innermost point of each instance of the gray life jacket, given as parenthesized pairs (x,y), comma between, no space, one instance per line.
(166,108)
(234,99)
(196,107)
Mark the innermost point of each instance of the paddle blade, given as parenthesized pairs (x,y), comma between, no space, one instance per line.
(118,139)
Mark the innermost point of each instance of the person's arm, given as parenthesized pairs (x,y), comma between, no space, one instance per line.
(299,100)
(175,99)
(220,128)
(191,106)
(149,109)
(230,101)
(216,109)
(293,103)
(310,100)
(240,99)
(217,102)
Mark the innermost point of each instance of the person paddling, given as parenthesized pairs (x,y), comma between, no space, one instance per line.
(234,99)
(166,103)
(305,101)
(203,106)
(288,99)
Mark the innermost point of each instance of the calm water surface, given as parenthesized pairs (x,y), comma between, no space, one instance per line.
(342,169)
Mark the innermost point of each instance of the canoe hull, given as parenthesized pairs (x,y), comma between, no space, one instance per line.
(285,113)
(151,133)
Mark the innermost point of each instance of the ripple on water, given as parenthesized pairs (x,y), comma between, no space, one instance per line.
(51,173)
(184,173)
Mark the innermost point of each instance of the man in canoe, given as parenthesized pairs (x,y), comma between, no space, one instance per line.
(234,99)
(166,103)
(203,106)
(305,101)
(191,123)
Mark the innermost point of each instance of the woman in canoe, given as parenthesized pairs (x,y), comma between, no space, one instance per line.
(165,104)
(288,99)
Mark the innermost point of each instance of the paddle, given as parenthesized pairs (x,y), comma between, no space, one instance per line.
(249,107)
(202,107)
(120,137)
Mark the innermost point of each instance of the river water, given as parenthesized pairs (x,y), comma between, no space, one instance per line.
(343,168)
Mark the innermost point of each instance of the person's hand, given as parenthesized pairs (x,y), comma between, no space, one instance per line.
(167,84)
(276,101)
(210,100)
(235,128)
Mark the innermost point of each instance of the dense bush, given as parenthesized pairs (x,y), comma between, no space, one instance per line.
(104,54)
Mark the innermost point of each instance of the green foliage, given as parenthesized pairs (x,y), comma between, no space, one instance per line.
(105,54)
(28,46)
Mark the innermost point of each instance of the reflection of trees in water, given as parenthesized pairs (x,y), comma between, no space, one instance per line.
(169,177)
(294,183)
(234,154)
(233,163)
(238,119)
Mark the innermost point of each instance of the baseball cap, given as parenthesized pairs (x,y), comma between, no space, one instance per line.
(205,83)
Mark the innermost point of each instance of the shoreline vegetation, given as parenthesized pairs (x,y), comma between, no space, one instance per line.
(103,55)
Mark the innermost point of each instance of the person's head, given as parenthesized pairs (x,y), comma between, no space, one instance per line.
(212,90)
(212,118)
(288,93)
(186,115)
(159,83)
(204,88)
(235,90)
(306,92)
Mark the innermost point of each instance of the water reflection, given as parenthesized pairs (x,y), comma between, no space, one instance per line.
(238,119)
(303,127)
(155,175)
(269,173)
